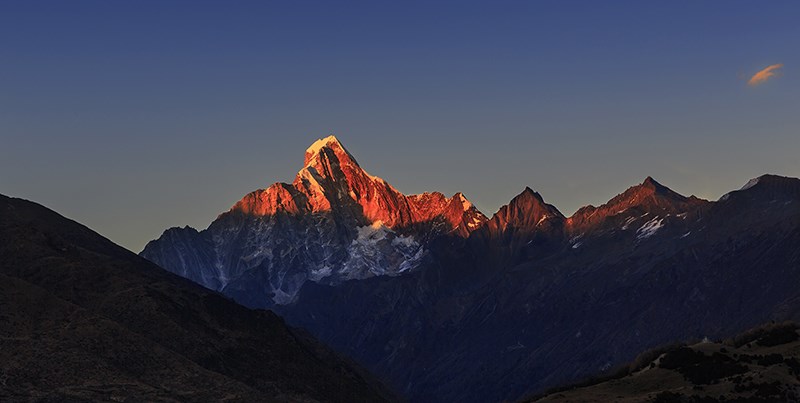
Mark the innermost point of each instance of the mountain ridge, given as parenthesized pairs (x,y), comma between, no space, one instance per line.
(344,223)
(86,320)
(760,365)
(336,200)
(416,301)
(556,312)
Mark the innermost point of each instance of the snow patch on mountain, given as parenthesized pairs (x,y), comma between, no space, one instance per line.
(476,221)
(750,183)
(466,204)
(318,145)
(650,228)
(378,250)
(319,274)
(628,223)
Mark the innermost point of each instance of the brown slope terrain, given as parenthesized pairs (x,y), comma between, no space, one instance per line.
(760,365)
(82,319)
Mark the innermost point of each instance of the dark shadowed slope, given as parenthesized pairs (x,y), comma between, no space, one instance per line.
(449,305)
(532,306)
(84,319)
(760,365)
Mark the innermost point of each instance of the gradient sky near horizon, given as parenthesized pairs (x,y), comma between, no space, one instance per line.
(132,117)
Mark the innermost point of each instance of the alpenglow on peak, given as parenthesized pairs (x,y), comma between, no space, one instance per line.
(334,222)
(328,143)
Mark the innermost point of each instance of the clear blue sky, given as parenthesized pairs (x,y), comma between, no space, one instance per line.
(134,116)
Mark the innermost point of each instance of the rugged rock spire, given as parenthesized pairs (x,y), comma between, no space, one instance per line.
(331,180)
(324,149)
(334,222)
(526,212)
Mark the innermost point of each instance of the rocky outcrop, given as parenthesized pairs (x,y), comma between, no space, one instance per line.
(648,198)
(334,222)
(523,305)
(452,306)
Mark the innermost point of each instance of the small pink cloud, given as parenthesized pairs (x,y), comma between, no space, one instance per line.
(762,76)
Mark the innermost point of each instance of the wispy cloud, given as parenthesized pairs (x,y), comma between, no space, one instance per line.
(762,76)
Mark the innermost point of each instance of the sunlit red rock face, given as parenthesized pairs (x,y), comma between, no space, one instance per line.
(332,181)
(529,213)
(528,228)
(648,197)
(649,256)
(333,223)
(526,212)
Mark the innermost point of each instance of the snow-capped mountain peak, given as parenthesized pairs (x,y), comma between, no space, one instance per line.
(766,187)
(334,222)
(322,146)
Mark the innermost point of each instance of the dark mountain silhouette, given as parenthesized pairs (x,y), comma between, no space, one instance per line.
(82,319)
(760,365)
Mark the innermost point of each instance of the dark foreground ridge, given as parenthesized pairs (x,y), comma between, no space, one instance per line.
(760,365)
(82,319)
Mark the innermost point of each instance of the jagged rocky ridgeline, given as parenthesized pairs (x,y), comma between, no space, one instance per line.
(334,222)
(532,300)
(451,306)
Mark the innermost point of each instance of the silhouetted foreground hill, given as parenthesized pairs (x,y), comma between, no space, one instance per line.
(82,319)
(760,365)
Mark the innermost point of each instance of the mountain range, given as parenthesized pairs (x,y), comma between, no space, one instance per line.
(446,304)
(84,320)
(333,223)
